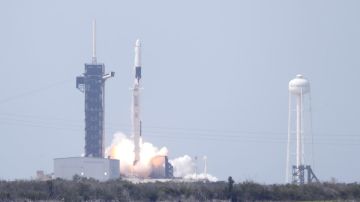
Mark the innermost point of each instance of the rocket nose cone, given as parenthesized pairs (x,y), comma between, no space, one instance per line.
(138,43)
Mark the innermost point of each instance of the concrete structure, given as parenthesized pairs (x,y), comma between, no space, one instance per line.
(98,168)
(92,83)
(161,168)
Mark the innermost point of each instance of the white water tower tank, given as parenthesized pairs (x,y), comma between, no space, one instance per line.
(299,85)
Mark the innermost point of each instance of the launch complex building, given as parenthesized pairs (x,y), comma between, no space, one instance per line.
(93,164)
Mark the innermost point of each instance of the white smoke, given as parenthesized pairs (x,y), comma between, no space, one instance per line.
(201,176)
(122,148)
(185,167)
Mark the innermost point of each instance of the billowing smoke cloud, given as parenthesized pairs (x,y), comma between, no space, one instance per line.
(201,176)
(122,148)
(185,167)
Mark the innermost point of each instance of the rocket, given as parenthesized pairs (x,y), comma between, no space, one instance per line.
(137,65)
(136,129)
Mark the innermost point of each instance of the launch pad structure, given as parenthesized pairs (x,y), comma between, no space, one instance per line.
(92,83)
(101,169)
(93,165)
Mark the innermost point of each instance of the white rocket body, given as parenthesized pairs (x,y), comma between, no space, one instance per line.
(136,130)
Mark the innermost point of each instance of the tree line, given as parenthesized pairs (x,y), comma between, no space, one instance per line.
(82,189)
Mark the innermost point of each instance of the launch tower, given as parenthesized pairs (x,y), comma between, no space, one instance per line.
(92,83)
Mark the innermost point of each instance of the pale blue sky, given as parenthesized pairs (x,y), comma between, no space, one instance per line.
(215,76)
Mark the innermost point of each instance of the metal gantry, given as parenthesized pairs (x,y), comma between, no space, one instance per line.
(92,83)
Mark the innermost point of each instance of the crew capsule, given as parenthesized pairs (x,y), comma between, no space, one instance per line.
(137,60)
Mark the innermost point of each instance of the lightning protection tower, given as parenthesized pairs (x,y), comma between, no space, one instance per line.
(92,83)
(298,88)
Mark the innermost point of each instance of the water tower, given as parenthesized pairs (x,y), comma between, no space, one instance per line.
(299,87)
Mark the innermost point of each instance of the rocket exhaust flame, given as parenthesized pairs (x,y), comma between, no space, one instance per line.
(122,148)
(138,158)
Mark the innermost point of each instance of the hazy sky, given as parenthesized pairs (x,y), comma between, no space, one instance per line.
(215,77)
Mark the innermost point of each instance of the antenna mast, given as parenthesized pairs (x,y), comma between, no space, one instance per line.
(205,166)
(94,42)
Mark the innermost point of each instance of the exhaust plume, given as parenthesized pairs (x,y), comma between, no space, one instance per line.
(185,167)
(122,148)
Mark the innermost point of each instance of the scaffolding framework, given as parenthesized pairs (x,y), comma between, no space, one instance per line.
(92,83)
(298,175)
